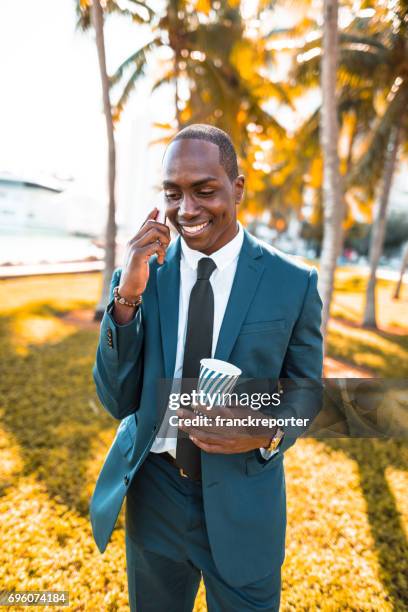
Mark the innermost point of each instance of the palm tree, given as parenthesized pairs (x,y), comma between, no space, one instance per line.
(389,130)
(378,229)
(333,201)
(110,232)
(404,265)
(372,107)
(345,109)
(91,12)
(221,71)
(224,72)
(378,55)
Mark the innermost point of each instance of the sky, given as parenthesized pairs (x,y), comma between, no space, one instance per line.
(51,101)
(51,119)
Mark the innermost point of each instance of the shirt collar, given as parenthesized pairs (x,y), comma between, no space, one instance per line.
(222,258)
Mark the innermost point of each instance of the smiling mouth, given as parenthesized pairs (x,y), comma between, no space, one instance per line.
(194,230)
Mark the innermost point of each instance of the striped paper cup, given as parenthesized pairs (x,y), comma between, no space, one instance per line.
(217,377)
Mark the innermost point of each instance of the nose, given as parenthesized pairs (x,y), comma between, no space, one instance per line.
(188,208)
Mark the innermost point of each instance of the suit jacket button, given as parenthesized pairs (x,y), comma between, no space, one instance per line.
(126,479)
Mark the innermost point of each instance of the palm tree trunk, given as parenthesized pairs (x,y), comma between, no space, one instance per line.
(176,87)
(175,33)
(378,230)
(404,266)
(333,200)
(110,233)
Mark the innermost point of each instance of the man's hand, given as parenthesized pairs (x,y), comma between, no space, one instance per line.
(153,237)
(216,436)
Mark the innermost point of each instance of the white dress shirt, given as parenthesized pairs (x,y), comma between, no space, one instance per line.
(221,280)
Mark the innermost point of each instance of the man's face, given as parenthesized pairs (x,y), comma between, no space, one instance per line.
(200,198)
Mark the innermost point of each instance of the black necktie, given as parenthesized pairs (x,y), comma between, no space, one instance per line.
(198,345)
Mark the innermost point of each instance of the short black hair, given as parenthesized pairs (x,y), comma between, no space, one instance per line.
(210,133)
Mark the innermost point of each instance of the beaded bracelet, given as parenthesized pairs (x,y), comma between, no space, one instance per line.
(122,300)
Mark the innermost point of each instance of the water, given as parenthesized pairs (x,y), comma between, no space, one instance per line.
(35,246)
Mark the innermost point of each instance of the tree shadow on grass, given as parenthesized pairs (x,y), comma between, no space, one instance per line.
(399,340)
(343,312)
(49,405)
(390,364)
(372,458)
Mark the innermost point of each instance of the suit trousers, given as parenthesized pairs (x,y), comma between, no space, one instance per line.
(167,549)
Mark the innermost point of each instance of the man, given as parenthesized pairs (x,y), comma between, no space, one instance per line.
(202,503)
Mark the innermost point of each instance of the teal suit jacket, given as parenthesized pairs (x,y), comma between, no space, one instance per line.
(271,330)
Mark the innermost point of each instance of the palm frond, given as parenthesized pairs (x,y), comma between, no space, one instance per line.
(221,85)
(135,61)
(298,30)
(141,14)
(168,77)
(145,6)
(306,72)
(367,41)
(135,16)
(129,86)
(307,136)
(370,165)
(83,15)
(273,89)
(361,62)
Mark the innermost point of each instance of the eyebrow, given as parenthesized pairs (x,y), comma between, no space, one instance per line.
(207,179)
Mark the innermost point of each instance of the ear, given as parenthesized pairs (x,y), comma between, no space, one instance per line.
(239,185)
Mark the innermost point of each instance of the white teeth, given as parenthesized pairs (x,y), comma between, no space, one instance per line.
(194,228)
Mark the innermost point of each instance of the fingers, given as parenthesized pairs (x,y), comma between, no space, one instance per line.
(154,248)
(222,423)
(148,223)
(154,241)
(152,234)
(202,409)
(152,238)
(210,426)
(224,446)
(223,411)
(203,435)
(215,430)
(154,223)
(152,215)
(161,229)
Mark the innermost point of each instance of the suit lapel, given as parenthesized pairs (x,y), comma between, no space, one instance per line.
(168,288)
(247,276)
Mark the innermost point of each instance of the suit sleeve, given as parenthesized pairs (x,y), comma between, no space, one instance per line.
(301,374)
(118,366)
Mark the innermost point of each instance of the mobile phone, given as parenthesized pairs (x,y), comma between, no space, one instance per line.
(161,216)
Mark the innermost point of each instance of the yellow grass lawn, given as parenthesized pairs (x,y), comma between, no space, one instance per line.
(347,504)
(349,301)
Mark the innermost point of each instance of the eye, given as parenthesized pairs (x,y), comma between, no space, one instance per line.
(172,196)
(206,192)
